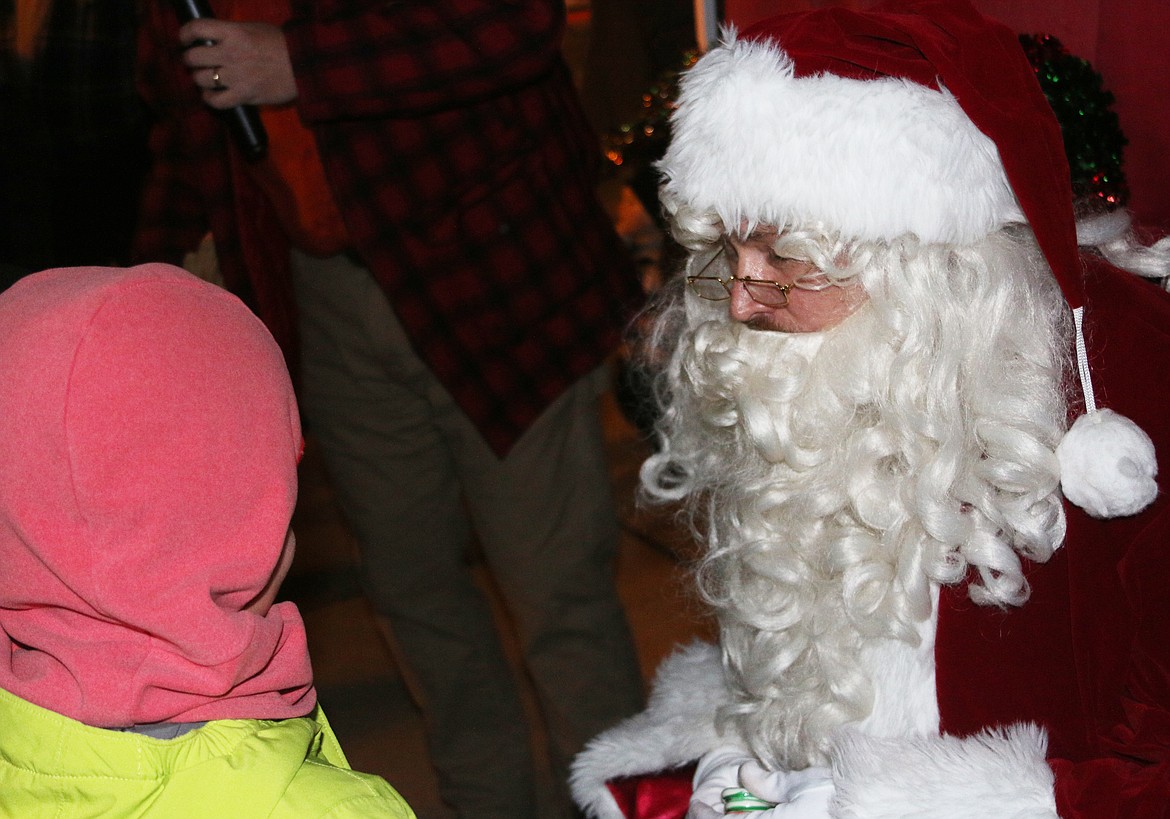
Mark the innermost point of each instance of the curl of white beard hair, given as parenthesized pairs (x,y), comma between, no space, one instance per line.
(836,475)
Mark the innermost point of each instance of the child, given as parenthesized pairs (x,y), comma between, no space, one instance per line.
(149,441)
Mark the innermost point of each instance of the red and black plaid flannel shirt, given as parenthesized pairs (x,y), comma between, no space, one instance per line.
(465,170)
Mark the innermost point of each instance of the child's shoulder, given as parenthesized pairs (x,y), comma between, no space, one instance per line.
(321,789)
(326,786)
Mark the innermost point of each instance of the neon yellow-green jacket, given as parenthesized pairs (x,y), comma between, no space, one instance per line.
(53,767)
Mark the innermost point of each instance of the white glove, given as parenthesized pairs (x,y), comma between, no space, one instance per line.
(698,810)
(717,769)
(802,794)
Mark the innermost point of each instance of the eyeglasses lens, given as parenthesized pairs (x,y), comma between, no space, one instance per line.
(709,288)
(767,293)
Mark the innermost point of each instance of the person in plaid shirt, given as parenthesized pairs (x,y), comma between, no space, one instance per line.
(428,195)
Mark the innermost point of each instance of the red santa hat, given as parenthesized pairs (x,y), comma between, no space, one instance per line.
(919,118)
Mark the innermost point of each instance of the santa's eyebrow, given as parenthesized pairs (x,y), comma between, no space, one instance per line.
(768,237)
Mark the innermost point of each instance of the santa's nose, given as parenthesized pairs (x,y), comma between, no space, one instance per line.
(742,306)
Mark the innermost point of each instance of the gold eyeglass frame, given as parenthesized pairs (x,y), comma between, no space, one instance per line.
(749,286)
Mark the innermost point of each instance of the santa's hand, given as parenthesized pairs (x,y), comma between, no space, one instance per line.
(802,794)
(716,771)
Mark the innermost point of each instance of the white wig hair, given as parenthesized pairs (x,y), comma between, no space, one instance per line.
(1111,234)
(836,476)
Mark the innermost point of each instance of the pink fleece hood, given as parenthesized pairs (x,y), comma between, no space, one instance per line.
(149,441)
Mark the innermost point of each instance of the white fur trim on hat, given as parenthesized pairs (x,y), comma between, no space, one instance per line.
(755,143)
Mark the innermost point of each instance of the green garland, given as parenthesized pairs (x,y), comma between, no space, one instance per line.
(1093,140)
(1092,134)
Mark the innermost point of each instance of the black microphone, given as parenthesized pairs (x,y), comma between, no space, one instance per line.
(244,120)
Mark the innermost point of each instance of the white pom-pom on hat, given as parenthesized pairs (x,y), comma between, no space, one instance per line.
(1107,465)
(1107,462)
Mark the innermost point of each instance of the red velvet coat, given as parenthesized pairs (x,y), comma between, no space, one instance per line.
(1087,658)
(464,170)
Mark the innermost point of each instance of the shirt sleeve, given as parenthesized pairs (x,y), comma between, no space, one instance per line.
(173,214)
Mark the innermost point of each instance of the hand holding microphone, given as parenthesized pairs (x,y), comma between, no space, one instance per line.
(238,66)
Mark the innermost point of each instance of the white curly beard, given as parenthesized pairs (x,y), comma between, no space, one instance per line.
(840,476)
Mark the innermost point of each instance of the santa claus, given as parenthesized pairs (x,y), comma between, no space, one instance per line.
(915,426)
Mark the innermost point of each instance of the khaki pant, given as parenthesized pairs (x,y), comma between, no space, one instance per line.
(415,479)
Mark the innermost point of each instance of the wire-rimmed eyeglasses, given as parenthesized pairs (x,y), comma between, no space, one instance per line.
(761,291)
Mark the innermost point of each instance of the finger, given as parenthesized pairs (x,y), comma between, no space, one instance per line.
(202,57)
(196,31)
(800,781)
(211,79)
(201,52)
(217,92)
(771,786)
(228,98)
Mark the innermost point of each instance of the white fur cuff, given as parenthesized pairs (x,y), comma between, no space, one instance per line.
(1000,773)
(677,727)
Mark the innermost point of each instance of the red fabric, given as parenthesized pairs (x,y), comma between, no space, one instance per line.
(664,795)
(150,441)
(293,181)
(1088,657)
(465,171)
(979,61)
(1131,50)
